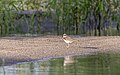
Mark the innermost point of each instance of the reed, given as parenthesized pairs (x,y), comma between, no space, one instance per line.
(88,17)
(95,16)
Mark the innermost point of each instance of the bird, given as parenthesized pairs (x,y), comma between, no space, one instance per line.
(67,40)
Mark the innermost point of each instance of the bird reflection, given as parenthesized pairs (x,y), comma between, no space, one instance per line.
(68,60)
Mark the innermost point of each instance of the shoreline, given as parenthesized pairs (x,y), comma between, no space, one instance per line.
(32,48)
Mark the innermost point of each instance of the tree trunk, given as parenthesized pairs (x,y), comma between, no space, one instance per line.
(99,25)
(118,28)
(58,25)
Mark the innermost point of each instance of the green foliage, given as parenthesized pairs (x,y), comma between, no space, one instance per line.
(11,11)
(71,16)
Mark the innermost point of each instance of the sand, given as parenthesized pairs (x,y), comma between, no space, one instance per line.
(15,49)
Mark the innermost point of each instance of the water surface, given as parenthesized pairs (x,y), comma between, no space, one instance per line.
(98,64)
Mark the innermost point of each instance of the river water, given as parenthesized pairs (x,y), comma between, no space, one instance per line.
(97,64)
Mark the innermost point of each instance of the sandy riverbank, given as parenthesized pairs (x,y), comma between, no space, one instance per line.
(30,48)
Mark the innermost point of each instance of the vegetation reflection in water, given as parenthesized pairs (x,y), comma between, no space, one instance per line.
(99,64)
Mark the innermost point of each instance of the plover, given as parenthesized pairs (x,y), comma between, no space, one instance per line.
(67,39)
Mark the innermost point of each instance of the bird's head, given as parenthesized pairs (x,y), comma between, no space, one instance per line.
(64,35)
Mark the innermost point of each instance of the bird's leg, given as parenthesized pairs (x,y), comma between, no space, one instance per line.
(68,45)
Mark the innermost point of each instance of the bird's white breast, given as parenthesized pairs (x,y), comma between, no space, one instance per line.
(68,41)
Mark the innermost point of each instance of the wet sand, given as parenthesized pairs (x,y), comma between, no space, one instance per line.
(33,48)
